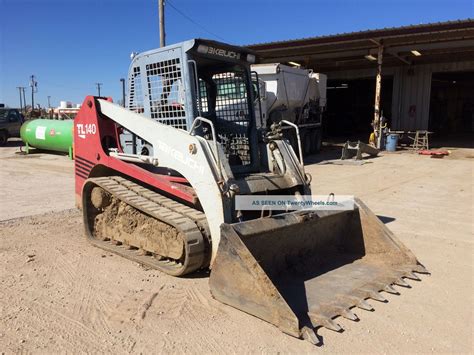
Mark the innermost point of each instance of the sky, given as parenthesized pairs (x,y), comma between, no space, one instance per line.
(69,45)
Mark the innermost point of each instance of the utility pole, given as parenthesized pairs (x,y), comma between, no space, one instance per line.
(49,101)
(24,98)
(98,85)
(161,12)
(34,89)
(21,99)
(122,80)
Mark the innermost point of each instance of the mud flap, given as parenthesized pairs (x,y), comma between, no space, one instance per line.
(302,269)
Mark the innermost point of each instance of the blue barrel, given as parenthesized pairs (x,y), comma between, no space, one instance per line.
(392,141)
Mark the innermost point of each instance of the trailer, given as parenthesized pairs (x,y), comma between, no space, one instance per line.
(295,95)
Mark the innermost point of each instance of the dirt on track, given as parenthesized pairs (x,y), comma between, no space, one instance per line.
(60,294)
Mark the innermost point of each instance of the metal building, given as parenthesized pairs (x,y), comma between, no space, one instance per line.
(427,80)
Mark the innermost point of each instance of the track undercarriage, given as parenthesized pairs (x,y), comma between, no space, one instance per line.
(142,225)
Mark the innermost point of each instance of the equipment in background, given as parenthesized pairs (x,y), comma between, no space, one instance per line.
(66,110)
(420,140)
(434,153)
(388,139)
(356,149)
(292,94)
(50,135)
(173,207)
(391,142)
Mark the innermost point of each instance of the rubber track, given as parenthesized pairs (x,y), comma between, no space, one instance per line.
(191,222)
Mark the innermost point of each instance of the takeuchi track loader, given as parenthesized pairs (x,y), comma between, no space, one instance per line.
(169,202)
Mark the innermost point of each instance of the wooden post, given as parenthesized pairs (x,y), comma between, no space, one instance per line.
(21,99)
(378,88)
(161,10)
(32,84)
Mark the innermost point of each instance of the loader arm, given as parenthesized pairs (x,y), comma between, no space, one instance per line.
(190,155)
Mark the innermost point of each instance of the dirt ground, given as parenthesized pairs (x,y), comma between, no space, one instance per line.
(60,294)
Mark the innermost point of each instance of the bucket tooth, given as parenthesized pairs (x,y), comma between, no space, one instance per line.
(412,276)
(309,334)
(376,296)
(332,325)
(325,322)
(420,269)
(386,288)
(369,292)
(401,282)
(345,312)
(391,290)
(363,304)
(348,314)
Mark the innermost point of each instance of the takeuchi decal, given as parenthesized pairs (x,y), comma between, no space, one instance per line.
(223,53)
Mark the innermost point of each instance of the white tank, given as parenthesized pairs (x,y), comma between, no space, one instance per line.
(321,80)
(288,85)
(288,89)
(63,104)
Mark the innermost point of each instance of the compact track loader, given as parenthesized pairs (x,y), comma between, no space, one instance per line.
(157,182)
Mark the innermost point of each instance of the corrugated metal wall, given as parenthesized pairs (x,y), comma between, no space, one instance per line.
(411,97)
(412,92)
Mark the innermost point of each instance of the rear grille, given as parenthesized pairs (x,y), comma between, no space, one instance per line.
(82,167)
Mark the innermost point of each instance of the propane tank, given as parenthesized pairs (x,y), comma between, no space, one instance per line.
(54,135)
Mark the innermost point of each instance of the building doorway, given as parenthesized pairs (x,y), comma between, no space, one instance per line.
(350,107)
(452,103)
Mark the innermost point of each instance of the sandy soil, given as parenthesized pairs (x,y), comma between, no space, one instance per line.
(61,294)
(34,183)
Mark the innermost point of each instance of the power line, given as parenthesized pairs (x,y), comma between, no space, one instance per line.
(194,22)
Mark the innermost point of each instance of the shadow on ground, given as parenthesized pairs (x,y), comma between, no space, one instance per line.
(12,144)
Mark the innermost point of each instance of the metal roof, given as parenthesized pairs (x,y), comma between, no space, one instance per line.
(441,41)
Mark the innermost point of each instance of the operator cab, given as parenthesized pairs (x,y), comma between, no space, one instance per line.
(177,84)
(198,78)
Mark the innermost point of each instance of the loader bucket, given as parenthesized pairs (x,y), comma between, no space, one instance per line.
(300,270)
